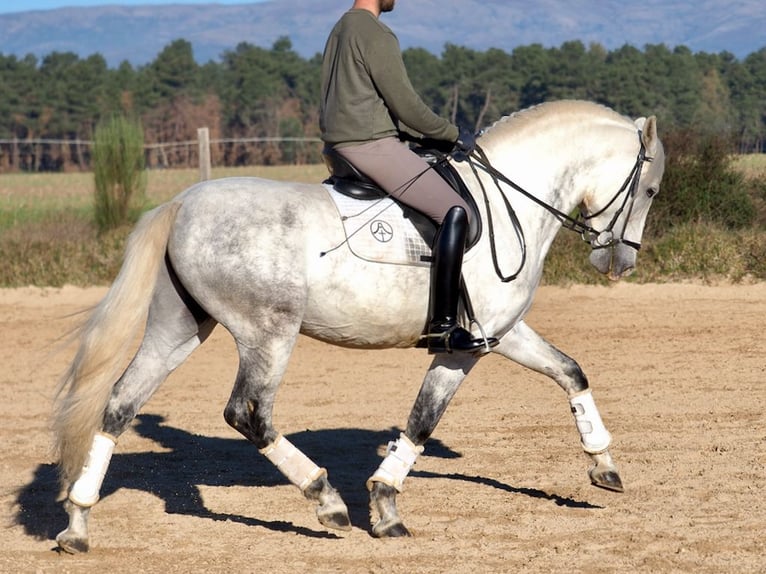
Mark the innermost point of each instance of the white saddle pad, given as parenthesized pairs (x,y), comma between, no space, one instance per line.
(378,231)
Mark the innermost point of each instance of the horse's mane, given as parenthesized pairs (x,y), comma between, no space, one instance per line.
(553,112)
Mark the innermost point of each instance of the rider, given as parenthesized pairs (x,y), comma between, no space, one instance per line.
(367,103)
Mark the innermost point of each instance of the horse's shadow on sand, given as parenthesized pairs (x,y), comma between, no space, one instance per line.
(350,456)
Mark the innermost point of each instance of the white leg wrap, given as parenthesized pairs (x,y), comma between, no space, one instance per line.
(85,490)
(400,458)
(595,437)
(299,469)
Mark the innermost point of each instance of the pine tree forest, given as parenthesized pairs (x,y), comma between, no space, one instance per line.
(260,105)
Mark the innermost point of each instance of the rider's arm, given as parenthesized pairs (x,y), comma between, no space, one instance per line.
(386,67)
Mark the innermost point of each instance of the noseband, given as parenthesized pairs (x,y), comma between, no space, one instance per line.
(598,239)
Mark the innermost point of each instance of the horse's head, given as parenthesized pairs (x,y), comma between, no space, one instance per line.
(619,218)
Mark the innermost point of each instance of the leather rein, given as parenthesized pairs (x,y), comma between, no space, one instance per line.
(603,239)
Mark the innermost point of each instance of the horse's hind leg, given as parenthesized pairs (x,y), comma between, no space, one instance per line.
(175,327)
(441,383)
(249,411)
(526,347)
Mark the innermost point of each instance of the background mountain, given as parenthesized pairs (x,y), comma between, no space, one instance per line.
(138,33)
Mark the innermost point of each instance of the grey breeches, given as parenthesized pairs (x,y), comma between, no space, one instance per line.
(404,175)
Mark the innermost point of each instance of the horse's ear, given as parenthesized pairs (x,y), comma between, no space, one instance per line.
(649,137)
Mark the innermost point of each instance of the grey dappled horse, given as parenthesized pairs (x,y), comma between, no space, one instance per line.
(267,260)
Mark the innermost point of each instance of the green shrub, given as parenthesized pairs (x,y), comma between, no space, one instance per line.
(701,185)
(688,251)
(705,251)
(118,167)
(61,251)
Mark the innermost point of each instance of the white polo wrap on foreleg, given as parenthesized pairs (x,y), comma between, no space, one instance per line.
(400,458)
(85,491)
(299,469)
(595,438)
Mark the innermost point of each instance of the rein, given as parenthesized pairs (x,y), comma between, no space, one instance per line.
(603,239)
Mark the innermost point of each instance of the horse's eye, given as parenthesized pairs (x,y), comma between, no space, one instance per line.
(651,192)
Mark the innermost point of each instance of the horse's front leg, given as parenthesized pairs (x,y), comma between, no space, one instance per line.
(526,347)
(439,386)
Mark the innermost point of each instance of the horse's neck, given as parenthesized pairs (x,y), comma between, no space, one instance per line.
(556,164)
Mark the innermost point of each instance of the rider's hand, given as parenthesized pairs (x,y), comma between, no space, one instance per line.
(464,145)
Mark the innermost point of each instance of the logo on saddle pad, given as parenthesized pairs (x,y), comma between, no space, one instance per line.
(378,231)
(381,231)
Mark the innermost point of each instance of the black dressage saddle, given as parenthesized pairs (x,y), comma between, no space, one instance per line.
(349,181)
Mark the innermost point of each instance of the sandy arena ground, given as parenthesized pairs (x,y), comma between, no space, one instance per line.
(678,371)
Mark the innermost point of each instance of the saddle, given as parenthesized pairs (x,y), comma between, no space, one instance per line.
(349,181)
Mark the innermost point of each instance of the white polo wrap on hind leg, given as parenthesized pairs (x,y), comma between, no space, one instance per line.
(299,469)
(85,491)
(400,458)
(595,437)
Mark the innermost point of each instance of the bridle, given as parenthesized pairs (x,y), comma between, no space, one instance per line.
(606,237)
(602,239)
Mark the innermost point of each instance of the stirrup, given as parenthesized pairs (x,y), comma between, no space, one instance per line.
(457,339)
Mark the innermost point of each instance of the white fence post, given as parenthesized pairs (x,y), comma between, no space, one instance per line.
(203,139)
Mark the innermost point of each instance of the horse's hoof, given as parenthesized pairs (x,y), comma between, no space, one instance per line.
(335,517)
(608,480)
(72,544)
(395,529)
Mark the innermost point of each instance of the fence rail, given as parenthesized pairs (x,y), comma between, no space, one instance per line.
(51,154)
(159,145)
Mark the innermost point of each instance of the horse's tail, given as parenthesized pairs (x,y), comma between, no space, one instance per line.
(104,340)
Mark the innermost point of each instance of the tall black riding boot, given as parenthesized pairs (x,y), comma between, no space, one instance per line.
(444,334)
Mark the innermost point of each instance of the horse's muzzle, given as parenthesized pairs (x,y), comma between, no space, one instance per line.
(615,262)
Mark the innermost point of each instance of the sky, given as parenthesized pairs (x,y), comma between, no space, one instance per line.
(8,6)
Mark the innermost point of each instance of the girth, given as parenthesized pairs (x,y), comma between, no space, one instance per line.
(349,181)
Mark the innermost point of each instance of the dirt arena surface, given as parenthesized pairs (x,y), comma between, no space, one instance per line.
(678,372)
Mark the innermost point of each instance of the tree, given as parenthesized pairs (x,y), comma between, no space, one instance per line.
(531,64)
(257,92)
(574,72)
(172,73)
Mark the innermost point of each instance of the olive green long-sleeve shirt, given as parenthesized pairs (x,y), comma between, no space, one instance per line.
(366,93)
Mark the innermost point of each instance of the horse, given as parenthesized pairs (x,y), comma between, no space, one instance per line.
(270,261)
